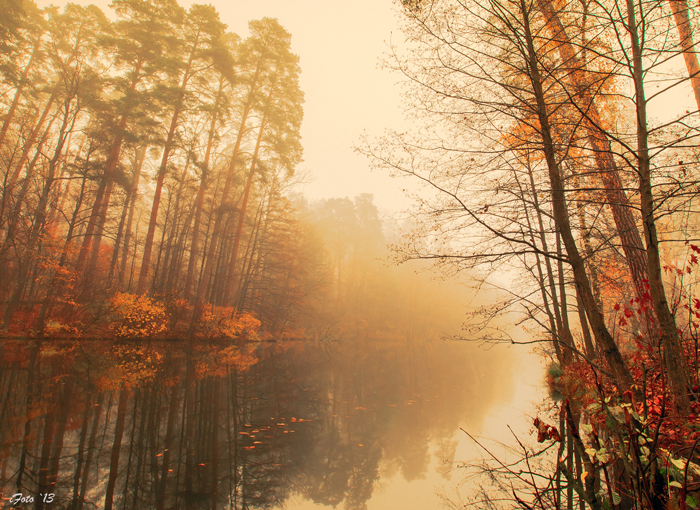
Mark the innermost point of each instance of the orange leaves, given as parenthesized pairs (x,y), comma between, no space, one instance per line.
(227,323)
(137,316)
(54,328)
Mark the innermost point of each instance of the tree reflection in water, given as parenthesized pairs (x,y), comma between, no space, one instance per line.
(166,425)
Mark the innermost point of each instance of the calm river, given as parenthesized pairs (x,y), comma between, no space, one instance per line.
(355,424)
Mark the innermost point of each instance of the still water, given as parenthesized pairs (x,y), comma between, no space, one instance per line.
(352,425)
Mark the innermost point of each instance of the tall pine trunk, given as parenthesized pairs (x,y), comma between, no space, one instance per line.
(40,215)
(199,201)
(9,116)
(242,213)
(623,377)
(93,233)
(602,152)
(685,33)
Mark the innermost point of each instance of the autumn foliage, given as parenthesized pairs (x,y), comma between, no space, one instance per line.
(137,317)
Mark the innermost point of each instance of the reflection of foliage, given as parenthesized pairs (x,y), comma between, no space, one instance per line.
(220,362)
(137,316)
(133,366)
(263,419)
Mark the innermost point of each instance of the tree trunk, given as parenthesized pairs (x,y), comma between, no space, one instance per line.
(623,377)
(130,196)
(199,202)
(250,255)
(564,338)
(216,233)
(213,245)
(148,246)
(140,156)
(93,233)
(242,212)
(176,263)
(101,205)
(18,93)
(40,215)
(29,143)
(162,244)
(19,200)
(673,355)
(176,233)
(116,448)
(600,145)
(53,286)
(685,33)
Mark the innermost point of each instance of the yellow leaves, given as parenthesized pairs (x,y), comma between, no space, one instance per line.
(137,316)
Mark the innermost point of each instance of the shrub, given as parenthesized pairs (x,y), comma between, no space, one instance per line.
(137,316)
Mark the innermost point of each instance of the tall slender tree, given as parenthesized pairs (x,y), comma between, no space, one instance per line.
(202,48)
(139,41)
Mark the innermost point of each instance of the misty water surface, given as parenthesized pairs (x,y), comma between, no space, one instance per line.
(132,426)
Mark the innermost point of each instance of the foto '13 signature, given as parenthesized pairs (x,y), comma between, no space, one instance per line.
(19,498)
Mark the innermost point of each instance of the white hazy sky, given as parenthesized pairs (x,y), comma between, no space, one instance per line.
(339,43)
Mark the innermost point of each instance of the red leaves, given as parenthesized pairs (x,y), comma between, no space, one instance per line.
(628,313)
